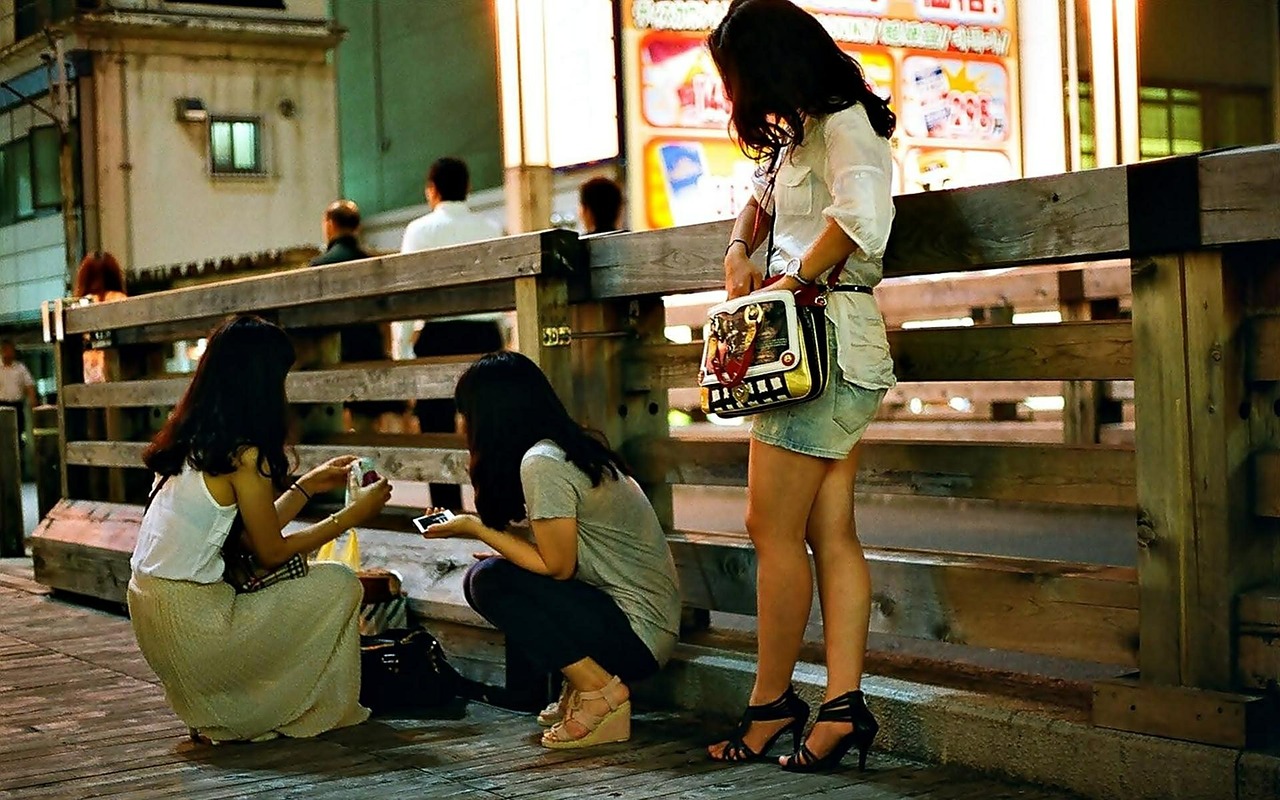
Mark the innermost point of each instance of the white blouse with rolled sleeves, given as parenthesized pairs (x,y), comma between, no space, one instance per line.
(842,172)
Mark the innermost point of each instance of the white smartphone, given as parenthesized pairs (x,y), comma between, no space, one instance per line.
(424,522)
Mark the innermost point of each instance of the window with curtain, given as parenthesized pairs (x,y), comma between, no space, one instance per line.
(235,146)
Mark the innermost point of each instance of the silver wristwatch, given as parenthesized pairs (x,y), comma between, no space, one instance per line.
(792,270)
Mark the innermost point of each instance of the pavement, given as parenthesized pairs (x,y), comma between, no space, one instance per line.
(1083,535)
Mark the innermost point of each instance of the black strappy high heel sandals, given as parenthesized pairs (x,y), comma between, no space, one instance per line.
(851,708)
(788,706)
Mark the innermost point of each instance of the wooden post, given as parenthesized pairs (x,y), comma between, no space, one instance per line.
(544,330)
(1002,410)
(319,421)
(643,407)
(69,364)
(1086,407)
(48,470)
(48,465)
(118,427)
(1198,548)
(11,519)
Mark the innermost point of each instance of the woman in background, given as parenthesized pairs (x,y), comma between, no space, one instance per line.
(100,279)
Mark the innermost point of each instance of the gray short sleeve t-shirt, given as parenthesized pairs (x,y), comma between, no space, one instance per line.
(622,549)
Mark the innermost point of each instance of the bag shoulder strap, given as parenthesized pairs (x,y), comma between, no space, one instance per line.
(155,490)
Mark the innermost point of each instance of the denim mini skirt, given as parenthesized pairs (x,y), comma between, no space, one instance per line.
(828,426)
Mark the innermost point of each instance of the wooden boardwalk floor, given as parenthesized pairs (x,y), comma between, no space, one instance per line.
(81,716)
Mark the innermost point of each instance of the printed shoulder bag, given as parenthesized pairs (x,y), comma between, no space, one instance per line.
(769,349)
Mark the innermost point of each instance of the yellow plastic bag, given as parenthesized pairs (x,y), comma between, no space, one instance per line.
(344,550)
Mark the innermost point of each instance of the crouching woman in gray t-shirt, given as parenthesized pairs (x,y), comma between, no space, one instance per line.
(592,593)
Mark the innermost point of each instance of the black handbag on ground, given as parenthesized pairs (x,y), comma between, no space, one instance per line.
(405,669)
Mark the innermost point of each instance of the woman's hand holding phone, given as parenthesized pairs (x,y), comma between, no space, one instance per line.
(439,523)
(370,500)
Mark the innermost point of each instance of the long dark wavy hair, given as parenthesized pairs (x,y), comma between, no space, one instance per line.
(781,67)
(508,406)
(236,400)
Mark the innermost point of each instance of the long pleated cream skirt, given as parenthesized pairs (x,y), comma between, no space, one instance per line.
(285,659)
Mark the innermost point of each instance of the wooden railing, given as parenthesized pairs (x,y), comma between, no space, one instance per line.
(1200,235)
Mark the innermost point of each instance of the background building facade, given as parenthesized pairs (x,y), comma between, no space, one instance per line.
(201,129)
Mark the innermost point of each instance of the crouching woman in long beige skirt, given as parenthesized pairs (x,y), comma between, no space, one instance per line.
(284,660)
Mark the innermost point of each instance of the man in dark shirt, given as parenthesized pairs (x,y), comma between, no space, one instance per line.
(342,232)
(359,342)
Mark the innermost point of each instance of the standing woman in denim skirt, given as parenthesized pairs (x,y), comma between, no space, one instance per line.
(803,109)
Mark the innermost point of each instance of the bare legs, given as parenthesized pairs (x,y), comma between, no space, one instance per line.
(794,498)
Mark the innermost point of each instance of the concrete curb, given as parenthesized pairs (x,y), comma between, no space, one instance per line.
(1016,739)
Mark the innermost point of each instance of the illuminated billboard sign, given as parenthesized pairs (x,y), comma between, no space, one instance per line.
(948,67)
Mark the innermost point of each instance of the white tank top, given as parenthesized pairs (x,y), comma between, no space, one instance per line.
(182,534)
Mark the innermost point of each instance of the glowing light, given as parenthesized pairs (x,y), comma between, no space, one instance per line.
(1056,403)
(957,322)
(679,334)
(1037,317)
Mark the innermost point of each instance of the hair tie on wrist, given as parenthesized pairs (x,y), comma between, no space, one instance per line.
(298,486)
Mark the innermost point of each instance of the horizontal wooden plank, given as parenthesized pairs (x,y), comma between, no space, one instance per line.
(1175,712)
(1070,610)
(425,464)
(1061,351)
(689,258)
(1071,217)
(925,297)
(1058,351)
(1077,611)
(1053,219)
(1258,638)
(1034,473)
(494,260)
(425,304)
(930,392)
(1240,195)
(952,296)
(1119,434)
(1260,608)
(389,380)
(1024,290)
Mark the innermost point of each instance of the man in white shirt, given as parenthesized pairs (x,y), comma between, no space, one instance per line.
(16,385)
(450,221)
